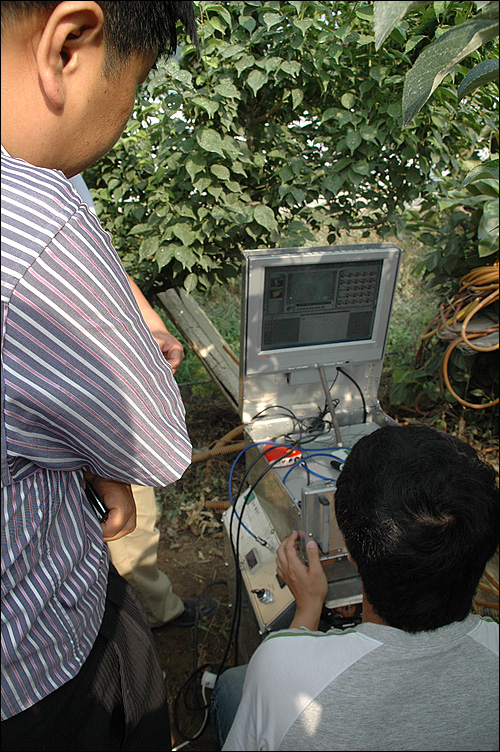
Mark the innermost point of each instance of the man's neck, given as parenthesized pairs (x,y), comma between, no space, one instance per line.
(369,613)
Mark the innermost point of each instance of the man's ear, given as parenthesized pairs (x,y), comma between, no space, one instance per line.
(66,36)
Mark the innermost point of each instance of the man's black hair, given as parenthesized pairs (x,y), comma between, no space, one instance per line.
(419,513)
(129,27)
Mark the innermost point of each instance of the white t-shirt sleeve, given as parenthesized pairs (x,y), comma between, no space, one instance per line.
(285,675)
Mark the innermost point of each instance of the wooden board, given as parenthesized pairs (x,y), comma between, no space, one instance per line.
(205,340)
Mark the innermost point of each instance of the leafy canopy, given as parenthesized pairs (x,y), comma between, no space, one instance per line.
(289,123)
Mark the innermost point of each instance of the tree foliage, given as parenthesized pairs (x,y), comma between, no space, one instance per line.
(458,217)
(464,215)
(289,122)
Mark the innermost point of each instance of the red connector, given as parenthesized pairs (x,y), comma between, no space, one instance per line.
(281,456)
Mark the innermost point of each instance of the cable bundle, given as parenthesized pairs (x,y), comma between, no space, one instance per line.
(478,289)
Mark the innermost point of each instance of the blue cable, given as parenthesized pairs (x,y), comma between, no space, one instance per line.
(305,459)
(326,453)
(250,446)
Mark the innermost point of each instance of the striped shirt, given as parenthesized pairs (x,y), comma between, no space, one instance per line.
(84,388)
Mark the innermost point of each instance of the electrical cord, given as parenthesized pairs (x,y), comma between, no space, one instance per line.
(236,549)
(478,289)
(316,454)
(203,726)
(190,683)
(236,620)
(344,373)
(235,626)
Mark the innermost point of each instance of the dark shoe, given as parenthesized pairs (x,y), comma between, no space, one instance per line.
(206,606)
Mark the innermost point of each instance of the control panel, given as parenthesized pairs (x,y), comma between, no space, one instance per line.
(270,597)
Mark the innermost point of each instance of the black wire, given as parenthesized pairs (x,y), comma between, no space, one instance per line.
(359,390)
(235,626)
(197,670)
(288,412)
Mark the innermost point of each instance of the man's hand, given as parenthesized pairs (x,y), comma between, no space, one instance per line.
(169,345)
(118,499)
(307,584)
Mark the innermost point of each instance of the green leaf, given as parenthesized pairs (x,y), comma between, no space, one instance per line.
(220,171)
(413,41)
(148,247)
(368,132)
(245,62)
(348,100)
(394,110)
(271,19)
(202,184)
(164,255)
(264,215)
(238,168)
(485,171)
(365,12)
(137,229)
(303,25)
(488,225)
(209,105)
(256,79)
(481,74)
(248,23)
(297,97)
(353,140)
(227,89)
(214,190)
(193,167)
(291,67)
(439,58)
(298,194)
(362,168)
(387,15)
(185,256)
(209,140)
(184,233)
(328,114)
(191,282)
(334,183)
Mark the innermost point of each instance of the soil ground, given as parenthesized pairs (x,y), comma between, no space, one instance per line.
(192,553)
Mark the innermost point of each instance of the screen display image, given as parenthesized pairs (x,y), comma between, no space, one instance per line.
(304,307)
(307,305)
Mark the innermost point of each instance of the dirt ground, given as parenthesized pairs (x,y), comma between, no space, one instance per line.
(192,553)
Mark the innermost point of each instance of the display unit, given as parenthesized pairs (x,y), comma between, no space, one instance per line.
(317,306)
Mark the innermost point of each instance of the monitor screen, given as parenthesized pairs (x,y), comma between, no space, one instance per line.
(315,304)
(306,307)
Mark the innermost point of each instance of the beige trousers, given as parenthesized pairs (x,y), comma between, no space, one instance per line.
(135,558)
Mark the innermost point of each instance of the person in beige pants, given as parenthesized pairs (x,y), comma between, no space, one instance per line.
(135,558)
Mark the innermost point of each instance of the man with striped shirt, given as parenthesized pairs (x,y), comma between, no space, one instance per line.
(87,396)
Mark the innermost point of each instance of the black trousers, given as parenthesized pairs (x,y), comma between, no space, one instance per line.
(117,701)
